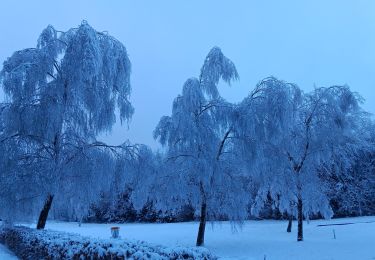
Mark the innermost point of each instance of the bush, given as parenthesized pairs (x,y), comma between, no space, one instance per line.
(29,243)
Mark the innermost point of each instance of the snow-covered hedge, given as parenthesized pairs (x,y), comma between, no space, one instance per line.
(29,243)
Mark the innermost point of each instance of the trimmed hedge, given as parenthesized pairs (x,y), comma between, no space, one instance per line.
(29,243)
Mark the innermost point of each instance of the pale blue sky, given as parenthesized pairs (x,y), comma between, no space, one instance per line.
(306,42)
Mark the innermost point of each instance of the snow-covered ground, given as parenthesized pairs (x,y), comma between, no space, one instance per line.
(5,254)
(257,240)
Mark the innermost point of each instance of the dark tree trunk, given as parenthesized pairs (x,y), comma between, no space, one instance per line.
(290,221)
(44,213)
(202,224)
(300,220)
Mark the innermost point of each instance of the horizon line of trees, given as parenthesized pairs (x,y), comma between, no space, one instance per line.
(279,153)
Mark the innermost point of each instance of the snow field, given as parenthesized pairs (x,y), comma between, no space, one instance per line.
(5,254)
(256,240)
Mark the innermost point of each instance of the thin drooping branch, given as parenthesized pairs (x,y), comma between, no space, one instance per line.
(221,146)
(179,156)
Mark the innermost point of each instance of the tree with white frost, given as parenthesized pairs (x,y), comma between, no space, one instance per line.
(352,182)
(291,134)
(199,163)
(84,178)
(62,94)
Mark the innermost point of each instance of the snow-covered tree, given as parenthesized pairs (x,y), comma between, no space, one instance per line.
(289,134)
(62,94)
(18,188)
(84,178)
(198,168)
(352,191)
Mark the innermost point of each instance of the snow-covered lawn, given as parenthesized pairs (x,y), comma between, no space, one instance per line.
(257,240)
(5,254)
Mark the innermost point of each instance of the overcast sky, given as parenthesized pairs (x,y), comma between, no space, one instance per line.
(311,43)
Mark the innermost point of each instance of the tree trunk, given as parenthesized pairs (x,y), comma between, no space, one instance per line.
(290,221)
(44,213)
(202,224)
(300,220)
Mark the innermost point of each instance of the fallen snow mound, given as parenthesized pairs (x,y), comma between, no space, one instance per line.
(28,243)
